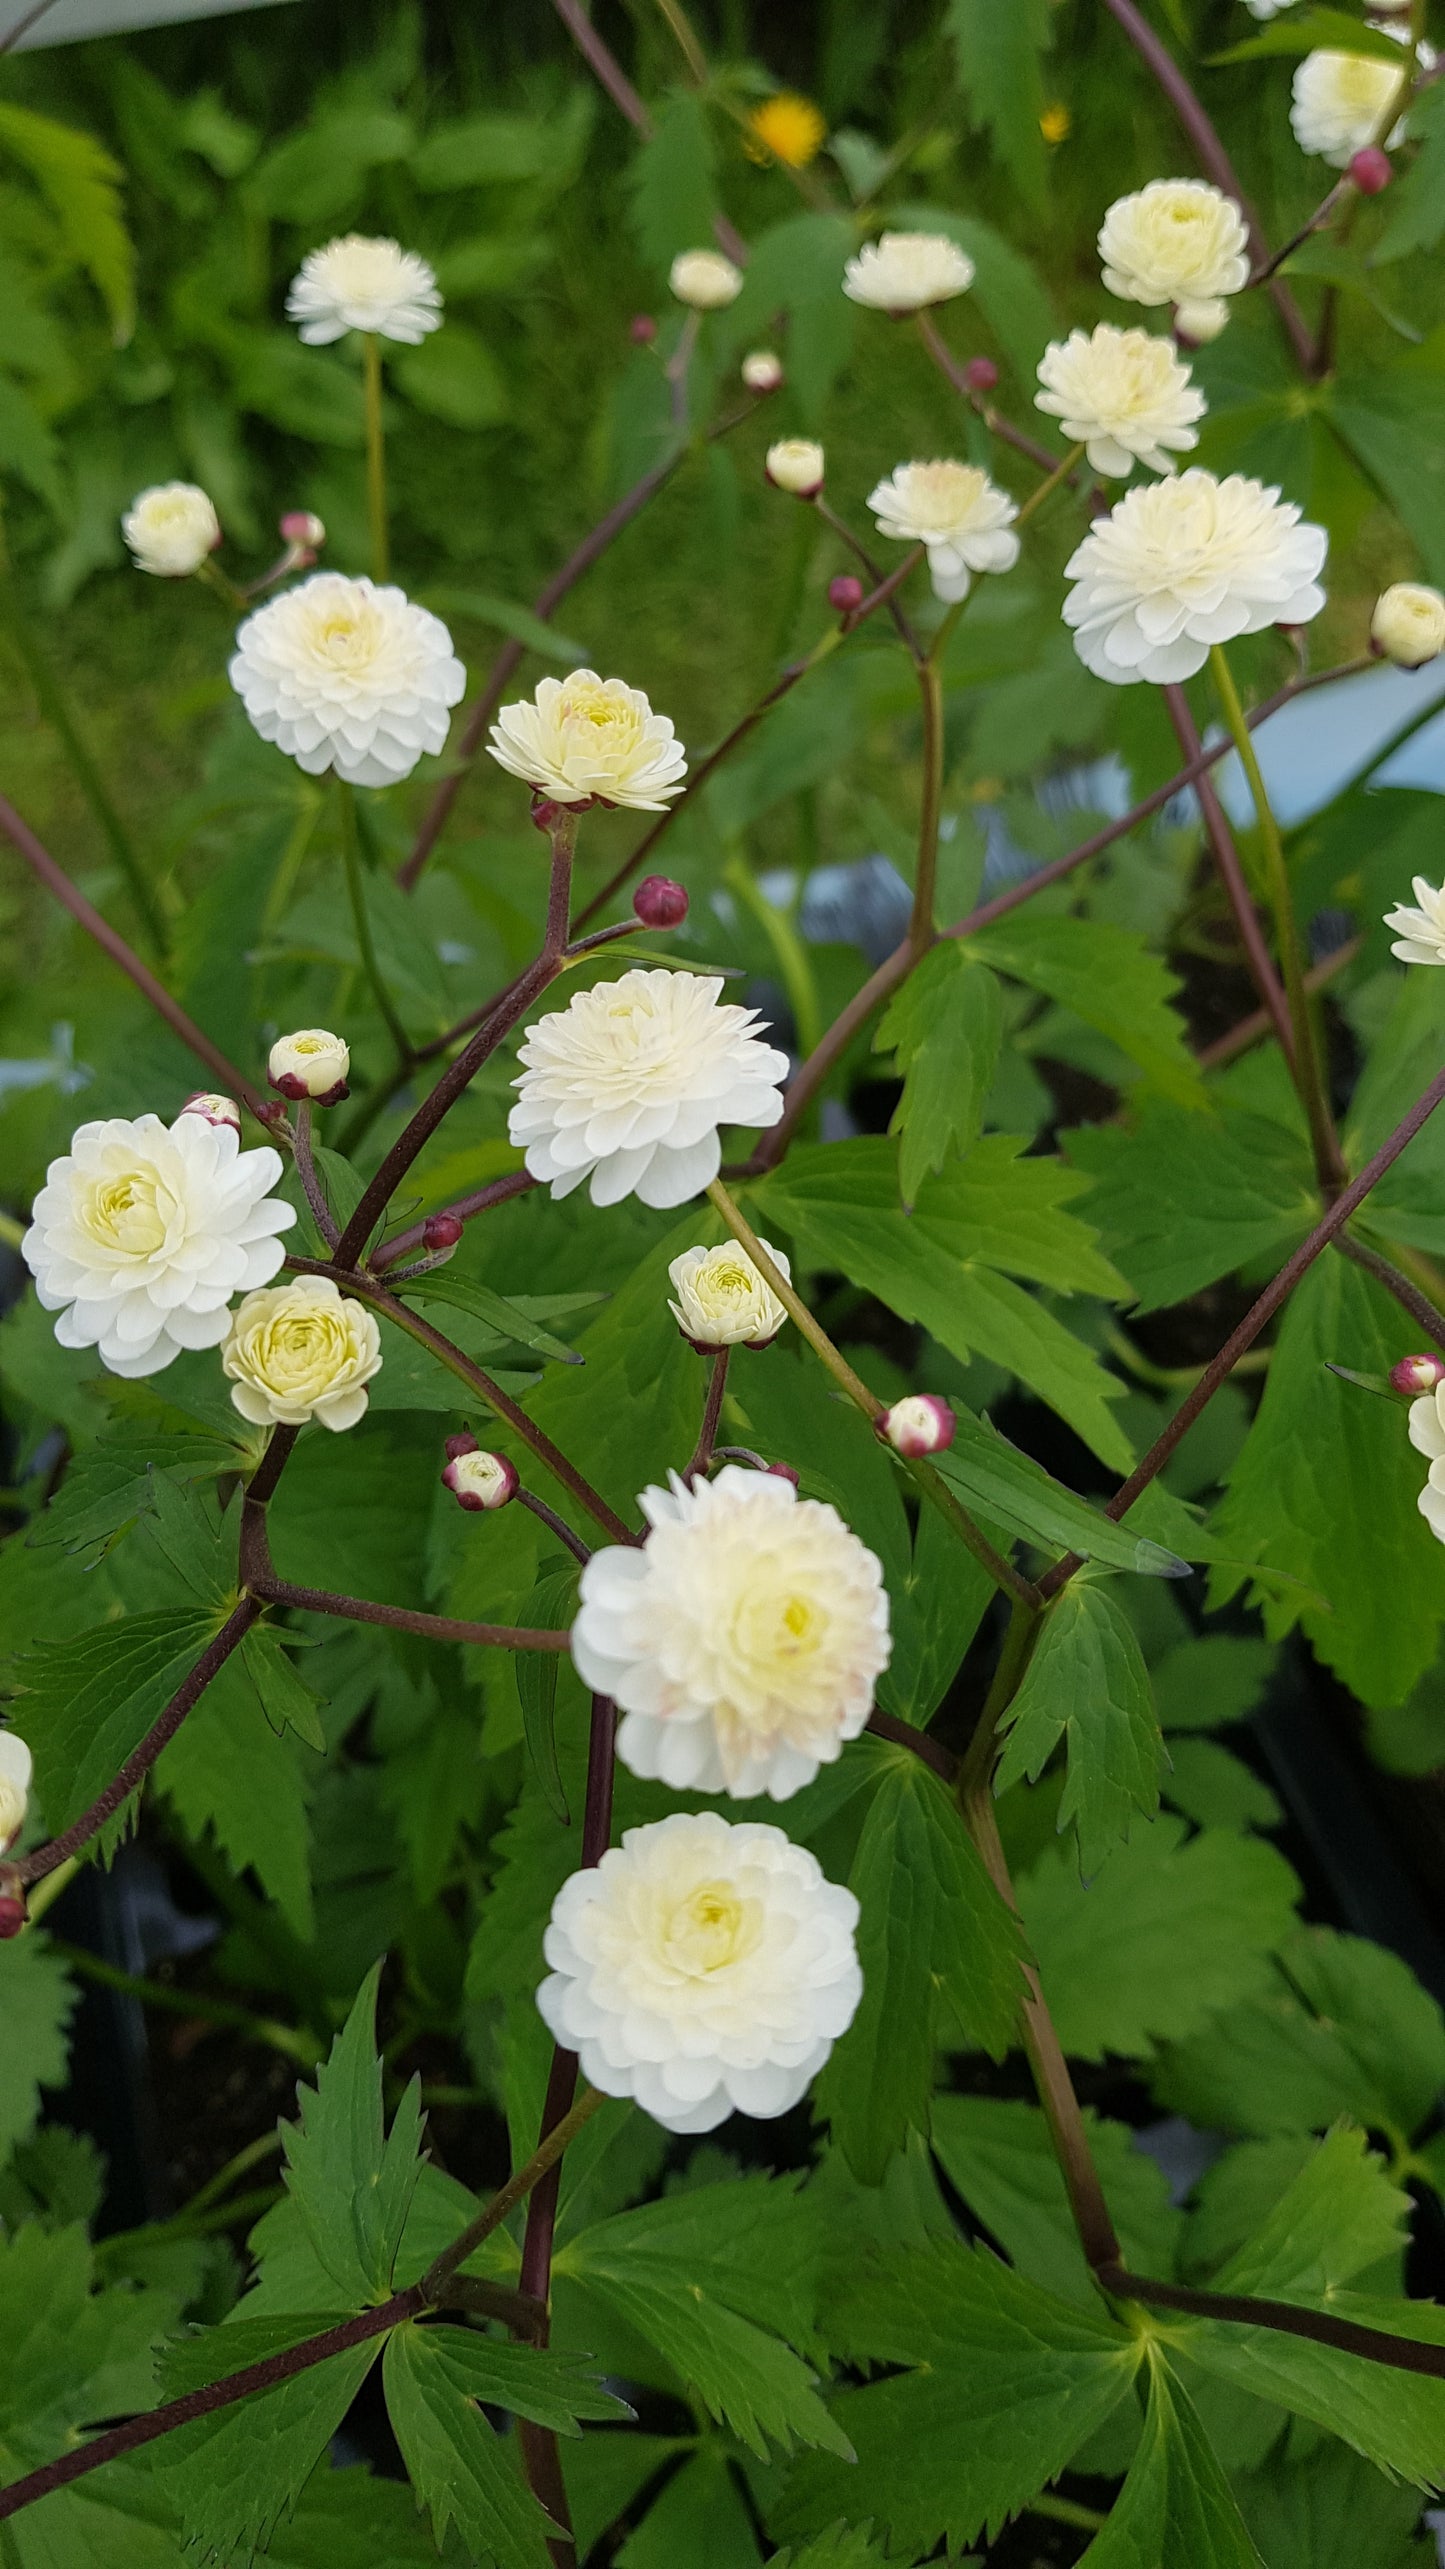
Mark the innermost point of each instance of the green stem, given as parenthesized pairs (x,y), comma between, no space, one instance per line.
(1329,1165)
(793,960)
(1065,2511)
(356,894)
(375,456)
(183,2002)
(921,930)
(1046,490)
(977,1768)
(113,2251)
(50,1888)
(265,2147)
(515,2191)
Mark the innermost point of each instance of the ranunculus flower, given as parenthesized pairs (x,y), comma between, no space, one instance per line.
(143,1232)
(722,1301)
(302,1350)
(1179,565)
(741,1641)
(311,1063)
(14,1786)
(705,280)
(216,1108)
(1339,99)
(629,1083)
(340,673)
(922,1423)
(904,271)
(171,529)
(357,283)
(761,371)
(1178,241)
(796,465)
(587,739)
(477,1479)
(963,518)
(1427,1435)
(702,1968)
(1419,933)
(1408,625)
(1125,396)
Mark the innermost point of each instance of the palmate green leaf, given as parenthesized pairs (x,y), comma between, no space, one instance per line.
(999,56)
(1392,418)
(478,606)
(1330,2510)
(1012,1491)
(461,2471)
(796,268)
(69,2356)
(81,184)
(1106,975)
(87,1703)
(936,1606)
(228,1770)
(352,2188)
(945,1025)
(454,376)
(552,2390)
(550,1608)
(673,194)
(508,1319)
(1087,1682)
(231,2477)
(1176,2509)
(1183,1199)
(999,2156)
(932,1927)
(698,2515)
(1215,1789)
(286,1701)
(36,2000)
(105,1491)
(28,445)
(1004,2383)
(842,2546)
(1416,216)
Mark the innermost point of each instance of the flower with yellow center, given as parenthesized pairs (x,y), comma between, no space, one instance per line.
(1419,933)
(1125,396)
(312,1063)
(702,1968)
(14,1786)
(300,1351)
(962,517)
(787,128)
(1177,566)
(1339,100)
(796,465)
(340,673)
(586,739)
(722,1301)
(1177,241)
(358,283)
(171,530)
(741,1642)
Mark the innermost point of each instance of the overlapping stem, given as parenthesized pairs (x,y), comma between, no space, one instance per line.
(376,518)
(1231,874)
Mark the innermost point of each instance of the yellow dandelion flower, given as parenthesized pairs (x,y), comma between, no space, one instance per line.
(1056,123)
(787,128)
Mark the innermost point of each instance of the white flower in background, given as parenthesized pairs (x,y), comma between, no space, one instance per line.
(587,739)
(143,1232)
(923,1423)
(741,1641)
(1267,8)
(702,1968)
(1205,321)
(705,280)
(1419,933)
(1339,99)
(361,284)
(628,1084)
(310,1064)
(14,1787)
(965,520)
(1177,241)
(300,1350)
(1125,396)
(796,465)
(904,271)
(722,1301)
(1427,1435)
(171,530)
(1182,564)
(1408,625)
(340,673)
(761,371)
(216,1108)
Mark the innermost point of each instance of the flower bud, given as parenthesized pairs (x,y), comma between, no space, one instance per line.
(796,465)
(1408,625)
(13,1914)
(213,1108)
(1417,1375)
(302,526)
(14,1788)
(922,1424)
(723,1301)
(1371,171)
(980,374)
(659,902)
(477,1480)
(442,1230)
(705,280)
(311,1064)
(762,371)
(786,1472)
(1197,323)
(845,593)
(170,529)
(642,330)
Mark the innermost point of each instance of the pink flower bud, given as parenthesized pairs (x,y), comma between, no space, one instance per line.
(302,526)
(442,1230)
(1416,1375)
(659,902)
(785,1472)
(477,1480)
(980,374)
(1371,171)
(213,1108)
(13,1914)
(642,330)
(922,1424)
(845,593)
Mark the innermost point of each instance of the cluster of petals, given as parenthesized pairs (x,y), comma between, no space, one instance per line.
(905,271)
(1125,396)
(342,674)
(1177,241)
(1339,100)
(1408,625)
(1179,565)
(796,465)
(312,1064)
(629,1084)
(587,739)
(358,283)
(15,1768)
(478,1480)
(702,1968)
(722,1300)
(142,1233)
(964,519)
(1427,1435)
(1419,933)
(171,529)
(741,1641)
(300,1351)
(705,280)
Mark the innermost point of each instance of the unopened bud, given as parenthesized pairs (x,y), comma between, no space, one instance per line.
(845,593)
(1195,324)
(922,1424)
(1417,1375)
(761,371)
(547,814)
(659,902)
(981,374)
(1371,170)
(785,1472)
(796,465)
(310,1065)
(302,526)
(442,1230)
(1408,625)
(213,1108)
(13,1915)
(477,1480)
(642,330)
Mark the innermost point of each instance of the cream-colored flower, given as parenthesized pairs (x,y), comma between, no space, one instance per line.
(302,1350)
(14,1787)
(477,1479)
(1125,396)
(629,1083)
(1267,8)
(761,371)
(1198,323)
(171,529)
(923,1423)
(1177,241)
(1427,1435)
(216,1108)
(796,465)
(1179,565)
(722,1301)
(1419,933)
(357,283)
(904,271)
(141,1235)
(1408,625)
(963,518)
(741,1641)
(705,280)
(587,739)
(1340,98)
(311,1063)
(702,1968)
(340,673)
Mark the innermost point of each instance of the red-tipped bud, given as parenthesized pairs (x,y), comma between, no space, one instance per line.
(659,902)
(922,1424)
(845,593)
(213,1108)
(784,1472)
(13,1915)
(478,1480)
(1371,170)
(465,1443)
(442,1230)
(642,330)
(303,526)
(981,374)
(546,815)
(1416,1375)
